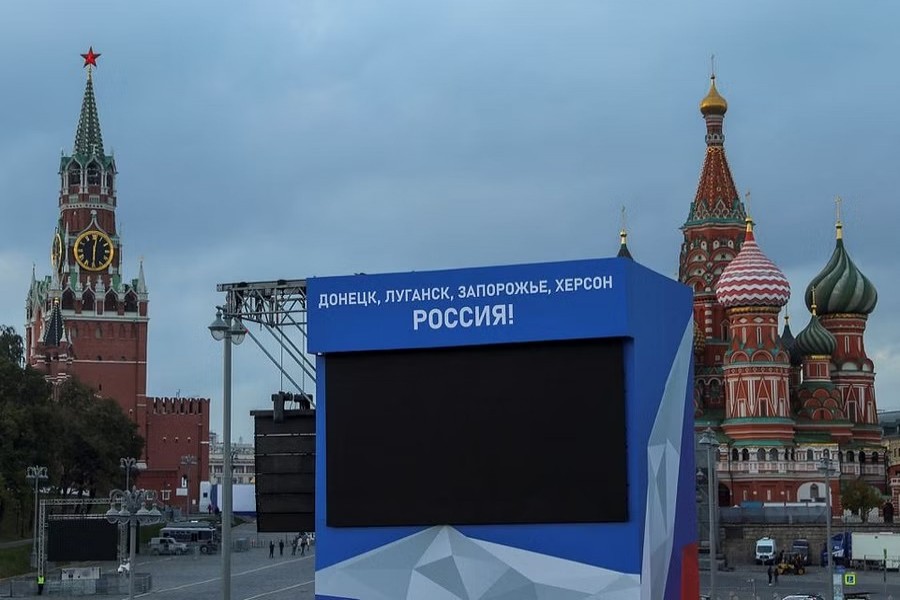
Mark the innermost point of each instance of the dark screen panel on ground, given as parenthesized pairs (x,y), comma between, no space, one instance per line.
(511,433)
(82,539)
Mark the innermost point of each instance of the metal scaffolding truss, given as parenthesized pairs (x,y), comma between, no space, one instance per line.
(279,310)
(48,505)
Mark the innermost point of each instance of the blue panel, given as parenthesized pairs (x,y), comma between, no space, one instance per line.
(490,305)
(621,299)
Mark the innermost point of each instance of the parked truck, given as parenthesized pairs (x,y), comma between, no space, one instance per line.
(862,549)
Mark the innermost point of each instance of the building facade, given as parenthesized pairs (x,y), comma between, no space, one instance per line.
(86,320)
(778,404)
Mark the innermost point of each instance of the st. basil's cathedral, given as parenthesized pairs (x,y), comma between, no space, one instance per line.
(778,403)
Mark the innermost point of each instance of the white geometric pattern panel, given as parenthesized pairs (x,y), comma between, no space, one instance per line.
(663,465)
(440,563)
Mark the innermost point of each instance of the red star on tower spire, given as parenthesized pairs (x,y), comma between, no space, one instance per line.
(90,59)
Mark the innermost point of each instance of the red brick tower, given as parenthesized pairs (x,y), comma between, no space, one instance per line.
(105,315)
(86,320)
(713,234)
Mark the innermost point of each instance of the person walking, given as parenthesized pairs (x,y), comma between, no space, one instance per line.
(271,549)
(775,573)
(281,547)
(294,547)
(769,573)
(304,543)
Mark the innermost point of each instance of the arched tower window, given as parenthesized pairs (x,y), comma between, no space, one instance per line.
(68,299)
(773,455)
(814,491)
(734,455)
(111,303)
(745,455)
(862,457)
(849,456)
(109,180)
(130,302)
(761,455)
(809,455)
(93,173)
(87,299)
(73,174)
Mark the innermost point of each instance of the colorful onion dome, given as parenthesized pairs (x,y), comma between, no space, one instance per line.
(751,279)
(790,344)
(713,103)
(815,340)
(841,287)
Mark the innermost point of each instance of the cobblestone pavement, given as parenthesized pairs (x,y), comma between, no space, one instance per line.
(198,577)
(751,583)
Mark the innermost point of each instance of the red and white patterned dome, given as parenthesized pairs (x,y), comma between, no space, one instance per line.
(751,279)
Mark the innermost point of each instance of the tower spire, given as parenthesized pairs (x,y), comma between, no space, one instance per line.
(838,225)
(88,139)
(623,239)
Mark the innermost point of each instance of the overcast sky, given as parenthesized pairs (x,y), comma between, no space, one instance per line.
(266,140)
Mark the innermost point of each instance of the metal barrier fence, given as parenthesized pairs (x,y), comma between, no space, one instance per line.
(791,515)
(110,584)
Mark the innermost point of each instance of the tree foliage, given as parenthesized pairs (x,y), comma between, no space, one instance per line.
(860,497)
(79,436)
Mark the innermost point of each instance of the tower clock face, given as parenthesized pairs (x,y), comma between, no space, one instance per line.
(56,251)
(93,250)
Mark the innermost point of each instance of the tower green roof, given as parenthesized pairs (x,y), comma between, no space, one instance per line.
(88,139)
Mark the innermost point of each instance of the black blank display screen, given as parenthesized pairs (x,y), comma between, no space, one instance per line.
(512,433)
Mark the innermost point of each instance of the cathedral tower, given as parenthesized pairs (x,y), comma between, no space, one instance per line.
(713,234)
(844,298)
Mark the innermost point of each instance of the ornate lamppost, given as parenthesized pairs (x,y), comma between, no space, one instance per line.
(37,474)
(129,507)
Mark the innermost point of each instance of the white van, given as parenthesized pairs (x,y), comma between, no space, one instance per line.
(766,551)
(167,545)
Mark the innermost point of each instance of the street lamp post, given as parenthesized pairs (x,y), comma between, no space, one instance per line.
(708,440)
(128,465)
(129,508)
(232,332)
(38,474)
(188,461)
(825,468)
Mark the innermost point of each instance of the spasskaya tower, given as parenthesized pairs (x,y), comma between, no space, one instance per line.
(87,321)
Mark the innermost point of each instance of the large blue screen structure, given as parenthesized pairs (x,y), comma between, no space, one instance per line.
(520,431)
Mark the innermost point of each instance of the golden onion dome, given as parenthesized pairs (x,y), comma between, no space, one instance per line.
(713,103)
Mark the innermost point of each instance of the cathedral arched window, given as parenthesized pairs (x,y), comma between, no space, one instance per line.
(109,180)
(74,174)
(761,455)
(862,457)
(745,455)
(68,300)
(87,300)
(734,455)
(849,456)
(875,457)
(809,455)
(93,174)
(814,491)
(130,302)
(111,303)
(773,455)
